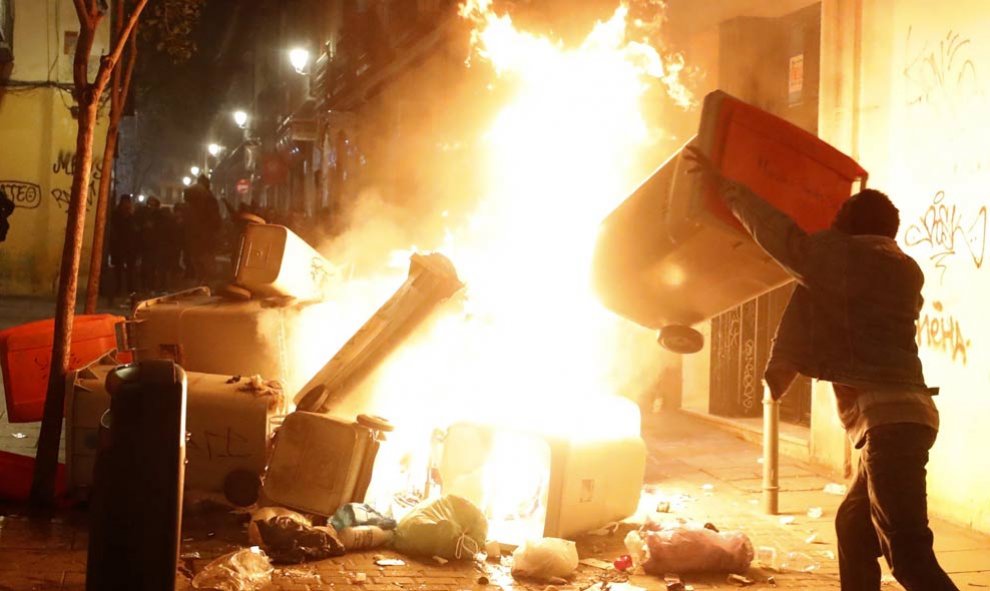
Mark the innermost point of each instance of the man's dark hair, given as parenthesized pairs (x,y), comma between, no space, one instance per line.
(125,198)
(868,212)
(204,180)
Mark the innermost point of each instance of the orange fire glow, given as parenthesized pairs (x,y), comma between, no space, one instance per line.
(530,346)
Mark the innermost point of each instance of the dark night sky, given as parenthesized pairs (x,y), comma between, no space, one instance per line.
(177,102)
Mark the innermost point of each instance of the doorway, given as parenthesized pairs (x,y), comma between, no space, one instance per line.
(772,63)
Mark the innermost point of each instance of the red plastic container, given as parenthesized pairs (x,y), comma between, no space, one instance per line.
(25,358)
(672,254)
(792,169)
(16,473)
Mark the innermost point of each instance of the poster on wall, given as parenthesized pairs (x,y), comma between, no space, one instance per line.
(795,80)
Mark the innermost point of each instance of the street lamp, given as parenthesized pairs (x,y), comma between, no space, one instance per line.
(214,149)
(240,118)
(194,170)
(186,181)
(299,58)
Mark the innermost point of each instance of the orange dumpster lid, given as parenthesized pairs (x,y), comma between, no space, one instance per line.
(25,358)
(792,169)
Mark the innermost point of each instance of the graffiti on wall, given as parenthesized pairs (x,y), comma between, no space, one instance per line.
(65,165)
(940,73)
(941,331)
(211,445)
(24,195)
(944,96)
(949,235)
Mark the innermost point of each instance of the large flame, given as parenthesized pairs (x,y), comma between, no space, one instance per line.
(564,152)
(531,347)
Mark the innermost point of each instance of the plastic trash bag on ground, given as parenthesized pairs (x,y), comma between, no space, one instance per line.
(244,570)
(353,514)
(289,542)
(450,527)
(268,513)
(636,547)
(364,537)
(545,559)
(696,550)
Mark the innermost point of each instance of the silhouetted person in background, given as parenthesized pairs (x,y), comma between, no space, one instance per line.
(150,238)
(181,212)
(123,247)
(6,209)
(170,249)
(203,227)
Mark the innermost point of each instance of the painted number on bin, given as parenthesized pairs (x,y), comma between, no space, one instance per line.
(227,444)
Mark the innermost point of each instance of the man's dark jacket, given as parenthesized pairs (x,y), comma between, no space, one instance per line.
(852,317)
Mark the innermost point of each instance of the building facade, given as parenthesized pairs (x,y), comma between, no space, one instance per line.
(898,86)
(892,83)
(38,138)
(303,147)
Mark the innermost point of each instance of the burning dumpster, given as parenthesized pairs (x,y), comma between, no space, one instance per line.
(229,423)
(672,254)
(274,308)
(209,334)
(273,261)
(306,445)
(432,279)
(530,484)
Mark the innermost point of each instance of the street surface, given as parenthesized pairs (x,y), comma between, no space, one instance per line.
(711,475)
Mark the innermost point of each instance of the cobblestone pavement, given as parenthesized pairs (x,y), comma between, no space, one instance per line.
(714,475)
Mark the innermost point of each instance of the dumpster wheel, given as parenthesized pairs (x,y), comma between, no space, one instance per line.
(681,339)
(242,487)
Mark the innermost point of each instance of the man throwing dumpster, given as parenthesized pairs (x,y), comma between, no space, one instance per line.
(851,321)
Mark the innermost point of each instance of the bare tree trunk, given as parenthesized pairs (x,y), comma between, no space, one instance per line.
(100,222)
(43,487)
(119,87)
(88,97)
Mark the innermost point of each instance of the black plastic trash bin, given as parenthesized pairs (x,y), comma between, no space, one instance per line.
(136,510)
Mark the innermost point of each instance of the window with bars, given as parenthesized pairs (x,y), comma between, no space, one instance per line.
(740,347)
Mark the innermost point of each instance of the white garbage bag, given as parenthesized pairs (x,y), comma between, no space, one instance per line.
(245,570)
(545,559)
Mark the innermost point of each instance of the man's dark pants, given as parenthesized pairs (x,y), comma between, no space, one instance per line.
(125,275)
(886,513)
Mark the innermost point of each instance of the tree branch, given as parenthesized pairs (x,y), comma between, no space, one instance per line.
(81,11)
(132,22)
(129,71)
(118,25)
(118,20)
(109,62)
(80,62)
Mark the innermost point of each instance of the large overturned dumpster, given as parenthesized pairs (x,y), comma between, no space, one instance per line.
(672,254)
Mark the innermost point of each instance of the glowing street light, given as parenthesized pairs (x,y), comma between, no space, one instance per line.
(299,58)
(194,170)
(186,181)
(214,149)
(240,118)
(141,198)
